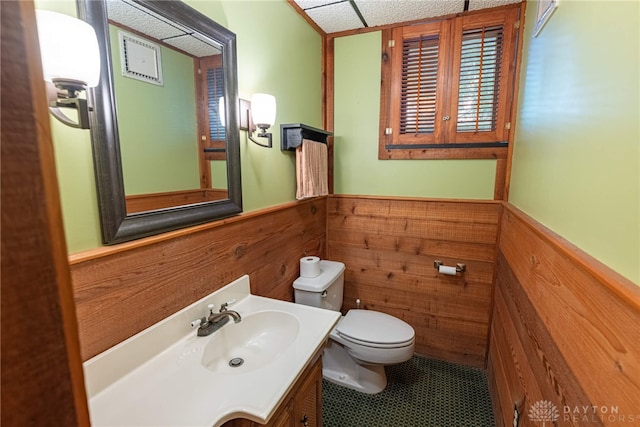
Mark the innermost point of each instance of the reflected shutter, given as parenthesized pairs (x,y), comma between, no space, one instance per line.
(211,90)
(215,91)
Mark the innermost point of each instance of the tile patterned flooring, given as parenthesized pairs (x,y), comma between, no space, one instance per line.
(421,392)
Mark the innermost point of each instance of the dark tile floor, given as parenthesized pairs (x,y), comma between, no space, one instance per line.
(421,392)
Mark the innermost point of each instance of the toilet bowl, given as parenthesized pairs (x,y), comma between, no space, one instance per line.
(363,341)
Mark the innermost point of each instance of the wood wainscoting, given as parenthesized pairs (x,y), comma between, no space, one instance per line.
(565,330)
(153,201)
(123,289)
(389,245)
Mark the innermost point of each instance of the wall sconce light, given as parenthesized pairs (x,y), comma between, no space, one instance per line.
(70,63)
(260,113)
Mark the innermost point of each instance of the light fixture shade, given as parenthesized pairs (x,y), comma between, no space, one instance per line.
(68,47)
(263,109)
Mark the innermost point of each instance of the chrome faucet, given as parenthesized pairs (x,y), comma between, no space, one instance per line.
(213,322)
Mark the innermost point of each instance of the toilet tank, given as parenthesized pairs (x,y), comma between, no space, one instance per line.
(324,290)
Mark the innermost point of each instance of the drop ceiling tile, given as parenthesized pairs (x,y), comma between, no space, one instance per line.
(335,17)
(483,4)
(383,12)
(308,4)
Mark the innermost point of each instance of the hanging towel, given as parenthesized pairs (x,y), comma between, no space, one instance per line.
(312,169)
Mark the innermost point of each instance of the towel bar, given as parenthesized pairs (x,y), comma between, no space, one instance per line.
(291,135)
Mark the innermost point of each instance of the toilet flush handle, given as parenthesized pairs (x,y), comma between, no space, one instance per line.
(323,294)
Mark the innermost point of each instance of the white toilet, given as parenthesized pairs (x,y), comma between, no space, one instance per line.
(363,341)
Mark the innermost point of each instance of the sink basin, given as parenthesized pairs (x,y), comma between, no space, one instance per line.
(251,344)
(168,376)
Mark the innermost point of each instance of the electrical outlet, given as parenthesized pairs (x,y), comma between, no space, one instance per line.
(516,415)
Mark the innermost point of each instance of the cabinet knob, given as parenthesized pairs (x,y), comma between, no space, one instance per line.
(305,421)
(445,118)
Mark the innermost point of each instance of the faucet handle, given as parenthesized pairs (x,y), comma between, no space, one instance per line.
(204,319)
(223,306)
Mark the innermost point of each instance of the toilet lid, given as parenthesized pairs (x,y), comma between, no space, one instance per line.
(374,327)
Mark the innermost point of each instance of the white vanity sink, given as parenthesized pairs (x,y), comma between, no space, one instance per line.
(168,376)
(253,343)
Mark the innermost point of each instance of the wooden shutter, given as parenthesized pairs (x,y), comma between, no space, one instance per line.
(215,91)
(448,86)
(481,79)
(211,88)
(419,64)
(419,84)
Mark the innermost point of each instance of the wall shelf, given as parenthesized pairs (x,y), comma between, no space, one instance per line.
(291,135)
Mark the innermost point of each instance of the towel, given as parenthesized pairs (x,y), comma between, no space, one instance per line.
(312,169)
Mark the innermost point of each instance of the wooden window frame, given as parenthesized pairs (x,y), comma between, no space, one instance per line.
(446,142)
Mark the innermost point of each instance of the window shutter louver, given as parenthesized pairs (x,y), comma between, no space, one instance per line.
(419,84)
(479,79)
(215,90)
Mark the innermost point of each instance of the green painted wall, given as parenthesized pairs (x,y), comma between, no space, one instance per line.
(577,153)
(157,158)
(280,54)
(576,158)
(74,164)
(281,57)
(357,112)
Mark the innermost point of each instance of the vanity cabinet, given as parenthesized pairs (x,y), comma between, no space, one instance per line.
(307,400)
(301,407)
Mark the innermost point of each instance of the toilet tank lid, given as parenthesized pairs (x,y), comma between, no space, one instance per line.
(329,271)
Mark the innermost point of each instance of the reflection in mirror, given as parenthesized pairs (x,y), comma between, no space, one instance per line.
(169,76)
(165,142)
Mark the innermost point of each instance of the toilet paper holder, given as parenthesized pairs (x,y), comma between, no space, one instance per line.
(460,268)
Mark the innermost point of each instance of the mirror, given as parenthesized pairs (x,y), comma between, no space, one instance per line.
(132,121)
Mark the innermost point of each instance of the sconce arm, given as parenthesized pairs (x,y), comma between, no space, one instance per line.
(78,104)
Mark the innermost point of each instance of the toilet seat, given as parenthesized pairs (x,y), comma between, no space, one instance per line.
(375,329)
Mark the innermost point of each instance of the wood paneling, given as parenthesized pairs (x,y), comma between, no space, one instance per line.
(42,377)
(120,293)
(388,246)
(565,329)
(152,201)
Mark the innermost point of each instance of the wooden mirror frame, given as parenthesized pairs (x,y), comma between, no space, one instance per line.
(118,226)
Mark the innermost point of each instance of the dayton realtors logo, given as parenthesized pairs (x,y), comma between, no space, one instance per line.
(544,411)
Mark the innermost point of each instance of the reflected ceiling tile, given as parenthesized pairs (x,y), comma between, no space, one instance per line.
(483,4)
(192,45)
(383,12)
(335,17)
(132,16)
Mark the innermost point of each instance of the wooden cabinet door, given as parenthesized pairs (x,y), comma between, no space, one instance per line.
(284,418)
(308,400)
